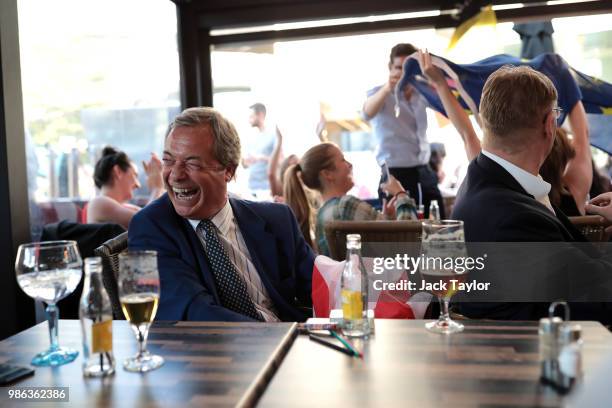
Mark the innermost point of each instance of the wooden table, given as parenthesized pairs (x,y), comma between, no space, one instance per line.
(489,364)
(207,364)
(228,364)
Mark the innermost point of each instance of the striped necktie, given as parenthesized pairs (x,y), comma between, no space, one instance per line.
(230,286)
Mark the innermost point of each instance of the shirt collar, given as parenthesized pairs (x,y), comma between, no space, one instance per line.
(533,185)
(221,220)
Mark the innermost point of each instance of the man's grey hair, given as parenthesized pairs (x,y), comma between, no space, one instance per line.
(226,147)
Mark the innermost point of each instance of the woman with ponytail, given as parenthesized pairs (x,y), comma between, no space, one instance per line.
(324,169)
(117,177)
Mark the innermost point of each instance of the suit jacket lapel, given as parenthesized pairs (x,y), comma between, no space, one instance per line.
(261,244)
(498,174)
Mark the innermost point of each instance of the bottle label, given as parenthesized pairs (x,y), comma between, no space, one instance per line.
(102,337)
(352,305)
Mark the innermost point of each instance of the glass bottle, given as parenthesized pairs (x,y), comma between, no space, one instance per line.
(434,210)
(96,314)
(354,290)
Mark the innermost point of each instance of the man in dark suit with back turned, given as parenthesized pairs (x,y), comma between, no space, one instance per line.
(220,259)
(503,198)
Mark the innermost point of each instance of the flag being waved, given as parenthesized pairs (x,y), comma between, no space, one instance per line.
(467,80)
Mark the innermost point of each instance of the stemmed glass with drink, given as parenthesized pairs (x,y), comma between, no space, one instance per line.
(50,271)
(443,242)
(139,295)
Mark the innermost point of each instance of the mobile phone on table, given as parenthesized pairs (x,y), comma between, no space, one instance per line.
(10,373)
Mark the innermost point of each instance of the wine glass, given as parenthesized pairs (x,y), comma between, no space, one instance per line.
(139,295)
(49,271)
(443,242)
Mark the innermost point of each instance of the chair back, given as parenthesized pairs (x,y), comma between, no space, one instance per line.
(370,231)
(593,227)
(109,252)
(88,238)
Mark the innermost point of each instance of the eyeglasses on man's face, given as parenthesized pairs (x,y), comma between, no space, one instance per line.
(557,113)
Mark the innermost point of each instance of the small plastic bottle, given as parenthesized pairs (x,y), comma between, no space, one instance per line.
(96,314)
(434,210)
(354,291)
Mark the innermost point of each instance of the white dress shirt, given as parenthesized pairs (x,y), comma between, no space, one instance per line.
(233,242)
(534,185)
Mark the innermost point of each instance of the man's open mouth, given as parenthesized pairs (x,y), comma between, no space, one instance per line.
(184,193)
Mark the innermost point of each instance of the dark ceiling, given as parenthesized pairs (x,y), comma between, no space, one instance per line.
(240,13)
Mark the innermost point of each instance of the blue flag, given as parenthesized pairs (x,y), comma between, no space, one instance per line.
(467,80)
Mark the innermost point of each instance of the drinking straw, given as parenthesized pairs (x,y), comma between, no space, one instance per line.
(346,344)
(331,345)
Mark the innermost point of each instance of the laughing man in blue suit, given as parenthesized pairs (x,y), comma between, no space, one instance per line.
(220,259)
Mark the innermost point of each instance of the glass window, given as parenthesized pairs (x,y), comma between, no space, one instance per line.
(94,73)
(305,82)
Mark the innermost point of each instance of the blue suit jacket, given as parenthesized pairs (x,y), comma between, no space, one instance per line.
(279,253)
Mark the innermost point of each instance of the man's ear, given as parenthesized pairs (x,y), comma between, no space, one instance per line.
(229,174)
(550,125)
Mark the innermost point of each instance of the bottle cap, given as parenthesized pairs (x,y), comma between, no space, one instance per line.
(93,262)
(353,241)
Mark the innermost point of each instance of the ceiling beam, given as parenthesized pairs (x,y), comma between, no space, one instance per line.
(527,13)
(215,14)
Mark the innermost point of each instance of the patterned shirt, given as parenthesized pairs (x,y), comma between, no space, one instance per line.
(233,242)
(349,208)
